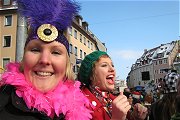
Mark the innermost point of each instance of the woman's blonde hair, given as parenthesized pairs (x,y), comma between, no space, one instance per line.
(69,72)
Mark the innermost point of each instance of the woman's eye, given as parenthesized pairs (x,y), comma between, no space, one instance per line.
(35,50)
(104,65)
(56,52)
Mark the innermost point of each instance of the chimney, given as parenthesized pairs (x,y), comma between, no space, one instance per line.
(145,50)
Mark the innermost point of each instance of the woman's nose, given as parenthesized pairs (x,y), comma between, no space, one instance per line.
(111,68)
(45,58)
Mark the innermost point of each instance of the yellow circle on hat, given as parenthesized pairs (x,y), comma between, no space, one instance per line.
(47,32)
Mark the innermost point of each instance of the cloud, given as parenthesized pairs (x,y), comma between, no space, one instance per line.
(123,60)
(127,54)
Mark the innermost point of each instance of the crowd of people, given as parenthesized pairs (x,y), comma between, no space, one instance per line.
(167,106)
(42,86)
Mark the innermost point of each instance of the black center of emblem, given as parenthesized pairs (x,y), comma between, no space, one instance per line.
(47,31)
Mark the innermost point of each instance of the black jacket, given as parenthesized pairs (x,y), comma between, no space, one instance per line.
(14,108)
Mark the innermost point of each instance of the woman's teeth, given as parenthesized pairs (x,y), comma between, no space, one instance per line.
(110,77)
(44,73)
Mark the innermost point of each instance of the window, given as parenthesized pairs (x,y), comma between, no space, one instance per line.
(6,2)
(160,61)
(167,53)
(5,61)
(86,28)
(160,55)
(7,41)
(75,34)
(165,61)
(155,71)
(145,75)
(80,22)
(88,44)
(70,30)
(161,71)
(70,48)
(91,46)
(84,40)
(75,51)
(81,38)
(81,54)
(8,20)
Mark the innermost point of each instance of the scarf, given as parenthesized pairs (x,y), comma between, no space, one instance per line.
(66,98)
(104,98)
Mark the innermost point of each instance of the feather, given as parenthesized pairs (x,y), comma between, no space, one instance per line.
(66,98)
(55,12)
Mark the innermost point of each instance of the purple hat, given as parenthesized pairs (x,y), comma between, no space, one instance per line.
(48,19)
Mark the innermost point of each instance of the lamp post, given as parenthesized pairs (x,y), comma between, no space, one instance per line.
(20,37)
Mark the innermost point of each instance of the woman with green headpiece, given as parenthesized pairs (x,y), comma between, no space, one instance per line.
(97,74)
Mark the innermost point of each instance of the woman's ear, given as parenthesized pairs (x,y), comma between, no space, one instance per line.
(91,78)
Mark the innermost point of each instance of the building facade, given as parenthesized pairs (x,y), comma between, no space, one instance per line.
(177,59)
(8,18)
(154,64)
(81,40)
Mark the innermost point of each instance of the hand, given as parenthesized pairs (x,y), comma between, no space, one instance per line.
(139,112)
(120,107)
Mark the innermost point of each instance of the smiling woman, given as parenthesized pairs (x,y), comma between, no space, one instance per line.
(41,64)
(42,85)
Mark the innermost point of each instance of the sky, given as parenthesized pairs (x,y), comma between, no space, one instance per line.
(127,27)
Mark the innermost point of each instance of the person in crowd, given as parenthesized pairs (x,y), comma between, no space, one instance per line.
(128,94)
(176,116)
(97,74)
(164,108)
(137,111)
(42,86)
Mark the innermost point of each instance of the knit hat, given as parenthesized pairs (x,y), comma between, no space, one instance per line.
(170,81)
(48,19)
(85,69)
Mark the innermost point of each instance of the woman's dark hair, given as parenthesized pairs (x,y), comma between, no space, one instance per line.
(165,107)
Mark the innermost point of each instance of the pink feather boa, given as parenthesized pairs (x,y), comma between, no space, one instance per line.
(66,98)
